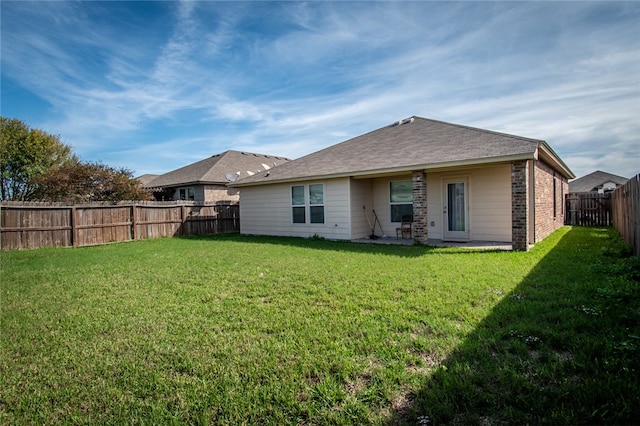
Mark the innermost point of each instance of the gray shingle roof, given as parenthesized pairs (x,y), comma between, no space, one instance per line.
(410,144)
(591,181)
(146,179)
(213,170)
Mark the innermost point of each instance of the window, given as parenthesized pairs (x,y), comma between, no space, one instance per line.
(314,203)
(298,204)
(187,194)
(401,199)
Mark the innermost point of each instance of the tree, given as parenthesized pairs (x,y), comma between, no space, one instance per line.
(36,166)
(76,181)
(26,154)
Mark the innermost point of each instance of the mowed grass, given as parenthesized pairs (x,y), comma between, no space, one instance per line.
(256,330)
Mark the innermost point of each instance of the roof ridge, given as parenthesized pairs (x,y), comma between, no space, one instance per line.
(256,154)
(493,132)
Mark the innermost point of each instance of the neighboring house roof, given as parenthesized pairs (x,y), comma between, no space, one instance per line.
(146,179)
(411,144)
(592,181)
(218,169)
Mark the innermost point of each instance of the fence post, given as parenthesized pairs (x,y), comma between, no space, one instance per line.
(134,222)
(183,217)
(74,229)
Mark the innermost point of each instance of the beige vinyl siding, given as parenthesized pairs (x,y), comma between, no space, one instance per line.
(360,195)
(490,200)
(266,210)
(382,206)
(337,210)
(435,203)
(489,195)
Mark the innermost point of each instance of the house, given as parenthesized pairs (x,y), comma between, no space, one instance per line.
(597,181)
(207,180)
(459,183)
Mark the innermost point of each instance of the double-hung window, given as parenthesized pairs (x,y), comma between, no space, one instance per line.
(316,203)
(400,199)
(307,201)
(298,204)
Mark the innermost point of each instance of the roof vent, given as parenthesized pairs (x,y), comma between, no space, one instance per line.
(401,122)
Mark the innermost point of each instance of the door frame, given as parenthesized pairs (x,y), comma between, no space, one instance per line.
(448,235)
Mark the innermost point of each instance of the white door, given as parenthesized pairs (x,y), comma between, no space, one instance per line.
(456,207)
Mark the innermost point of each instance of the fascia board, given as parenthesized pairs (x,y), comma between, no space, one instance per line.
(547,154)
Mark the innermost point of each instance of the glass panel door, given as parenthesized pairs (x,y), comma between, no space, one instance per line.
(455,210)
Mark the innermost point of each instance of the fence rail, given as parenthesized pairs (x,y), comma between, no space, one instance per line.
(626,212)
(588,209)
(34,225)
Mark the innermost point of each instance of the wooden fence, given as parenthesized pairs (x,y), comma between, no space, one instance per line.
(626,212)
(34,225)
(588,209)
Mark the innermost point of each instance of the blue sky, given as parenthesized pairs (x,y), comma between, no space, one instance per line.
(153,86)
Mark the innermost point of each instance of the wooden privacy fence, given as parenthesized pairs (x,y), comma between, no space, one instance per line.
(34,225)
(588,209)
(626,212)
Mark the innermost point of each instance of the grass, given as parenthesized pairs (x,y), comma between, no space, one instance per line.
(257,330)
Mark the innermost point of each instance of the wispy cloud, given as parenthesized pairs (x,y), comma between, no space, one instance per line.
(152,86)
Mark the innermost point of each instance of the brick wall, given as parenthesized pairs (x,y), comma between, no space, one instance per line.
(550,188)
(420,229)
(519,205)
(216,193)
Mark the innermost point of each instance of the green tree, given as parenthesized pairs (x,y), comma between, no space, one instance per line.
(26,154)
(76,181)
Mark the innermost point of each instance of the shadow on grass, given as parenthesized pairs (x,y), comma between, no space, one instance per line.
(399,250)
(562,348)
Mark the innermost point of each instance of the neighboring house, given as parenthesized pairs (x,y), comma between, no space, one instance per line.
(459,183)
(207,180)
(597,181)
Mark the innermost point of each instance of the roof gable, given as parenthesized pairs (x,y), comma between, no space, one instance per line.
(405,145)
(214,170)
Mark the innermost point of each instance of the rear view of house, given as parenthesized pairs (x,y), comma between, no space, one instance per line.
(458,183)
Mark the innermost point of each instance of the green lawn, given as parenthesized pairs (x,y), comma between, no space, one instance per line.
(250,330)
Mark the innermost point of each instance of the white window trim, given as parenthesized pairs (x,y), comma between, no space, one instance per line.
(307,204)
